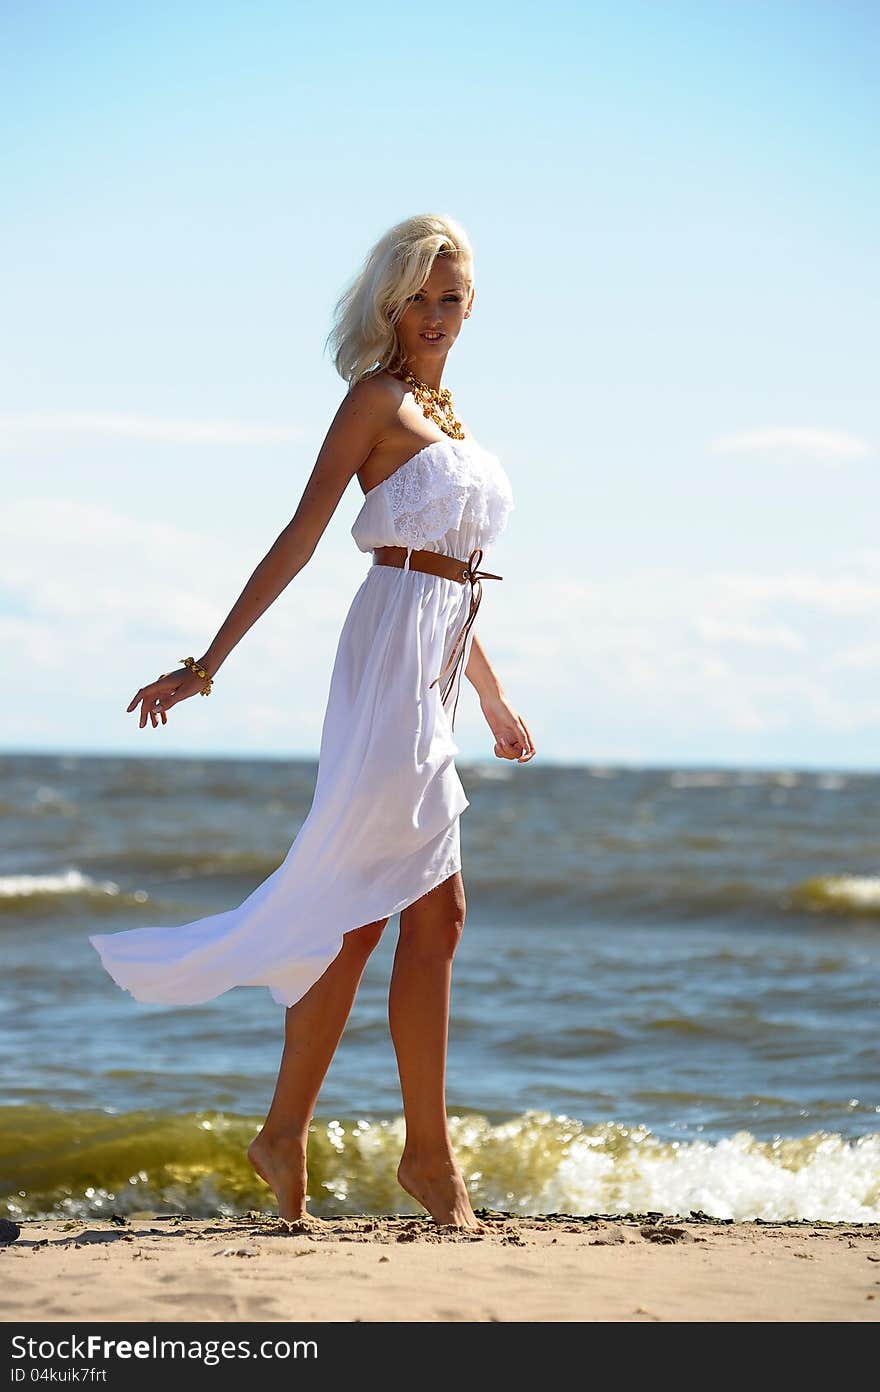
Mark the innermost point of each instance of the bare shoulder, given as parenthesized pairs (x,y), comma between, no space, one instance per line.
(366,416)
(377,397)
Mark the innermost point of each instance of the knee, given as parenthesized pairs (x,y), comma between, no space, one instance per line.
(363,940)
(434,938)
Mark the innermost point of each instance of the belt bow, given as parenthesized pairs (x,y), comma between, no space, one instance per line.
(472,574)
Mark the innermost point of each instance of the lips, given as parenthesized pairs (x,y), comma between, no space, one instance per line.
(432,337)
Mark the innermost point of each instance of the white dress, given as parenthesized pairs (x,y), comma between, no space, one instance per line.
(383,827)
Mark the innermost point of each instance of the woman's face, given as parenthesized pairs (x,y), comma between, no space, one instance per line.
(433,316)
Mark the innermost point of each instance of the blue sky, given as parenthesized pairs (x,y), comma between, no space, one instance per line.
(674,210)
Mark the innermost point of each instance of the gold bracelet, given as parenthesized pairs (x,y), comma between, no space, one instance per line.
(198,670)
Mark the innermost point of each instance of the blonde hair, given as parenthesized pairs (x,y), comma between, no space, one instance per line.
(364,334)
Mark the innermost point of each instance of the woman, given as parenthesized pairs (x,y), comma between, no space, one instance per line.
(382,834)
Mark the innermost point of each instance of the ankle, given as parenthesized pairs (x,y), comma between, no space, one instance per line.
(436,1154)
(286,1138)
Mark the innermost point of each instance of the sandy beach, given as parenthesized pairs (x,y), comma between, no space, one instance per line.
(394,1269)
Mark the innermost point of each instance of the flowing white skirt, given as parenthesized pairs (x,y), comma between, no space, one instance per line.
(382,830)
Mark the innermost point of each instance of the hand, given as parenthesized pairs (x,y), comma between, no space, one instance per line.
(157,698)
(512,738)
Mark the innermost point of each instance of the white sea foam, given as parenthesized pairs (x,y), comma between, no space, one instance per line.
(531,1164)
(854,889)
(70,881)
(816,1177)
(537,1163)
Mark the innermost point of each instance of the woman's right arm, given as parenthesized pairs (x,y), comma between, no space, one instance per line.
(359,423)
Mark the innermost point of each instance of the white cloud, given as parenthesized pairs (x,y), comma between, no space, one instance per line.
(825,445)
(869,557)
(95,604)
(19,428)
(842,712)
(724,631)
(630,652)
(98,602)
(834,594)
(858,659)
(33,641)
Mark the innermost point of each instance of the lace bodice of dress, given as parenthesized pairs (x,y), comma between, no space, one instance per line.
(451,491)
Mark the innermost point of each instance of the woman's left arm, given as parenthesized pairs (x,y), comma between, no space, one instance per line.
(512,738)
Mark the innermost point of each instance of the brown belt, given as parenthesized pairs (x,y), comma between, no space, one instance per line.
(434,563)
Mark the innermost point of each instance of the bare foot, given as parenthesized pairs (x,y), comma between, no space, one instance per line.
(281,1162)
(438,1186)
(303,1227)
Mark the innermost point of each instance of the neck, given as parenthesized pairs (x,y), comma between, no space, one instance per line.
(429,373)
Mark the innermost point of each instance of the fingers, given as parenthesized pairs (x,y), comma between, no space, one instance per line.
(156,699)
(529,751)
(517,743)
(152,705)
(147,695)
(157,709)
(154,713)
(509,747)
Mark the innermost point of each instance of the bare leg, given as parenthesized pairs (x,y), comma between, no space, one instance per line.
(312,1030)
(418,1012)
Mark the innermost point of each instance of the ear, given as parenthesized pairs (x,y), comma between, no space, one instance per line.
(470,304)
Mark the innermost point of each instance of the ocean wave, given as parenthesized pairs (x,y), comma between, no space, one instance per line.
(631,898)
(62,883)
(80,1164)
(682,898)
(841,894)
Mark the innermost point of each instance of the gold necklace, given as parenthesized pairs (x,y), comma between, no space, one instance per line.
(436,404)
